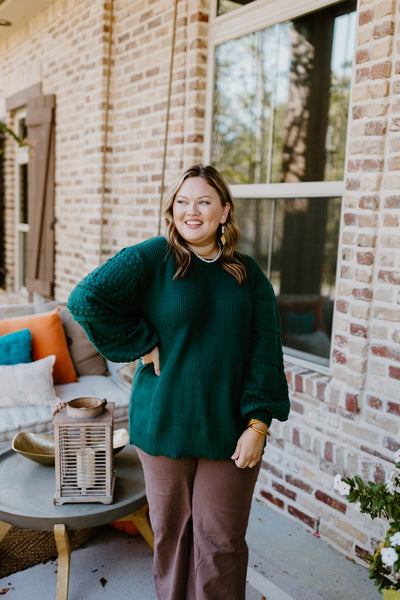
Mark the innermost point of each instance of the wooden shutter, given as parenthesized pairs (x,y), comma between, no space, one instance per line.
(40,260)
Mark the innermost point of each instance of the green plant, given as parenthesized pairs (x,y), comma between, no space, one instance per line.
(379,500)
(8,131)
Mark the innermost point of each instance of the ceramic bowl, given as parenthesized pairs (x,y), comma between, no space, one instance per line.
(39,447)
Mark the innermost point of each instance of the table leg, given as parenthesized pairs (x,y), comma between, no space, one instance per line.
(64,560)
(4,527)
(141,521)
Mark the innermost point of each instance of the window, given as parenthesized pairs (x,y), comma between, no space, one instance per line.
(21,204)
(278,134)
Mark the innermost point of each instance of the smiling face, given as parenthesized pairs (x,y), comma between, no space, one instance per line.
(197,212)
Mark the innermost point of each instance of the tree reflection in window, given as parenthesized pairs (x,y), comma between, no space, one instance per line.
(281,99)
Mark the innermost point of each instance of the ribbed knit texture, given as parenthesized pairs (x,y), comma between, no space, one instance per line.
(220,348)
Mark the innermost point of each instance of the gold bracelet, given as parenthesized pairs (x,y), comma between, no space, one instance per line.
(266,433)
(254,421)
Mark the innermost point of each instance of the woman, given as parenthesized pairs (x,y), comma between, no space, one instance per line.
(204,320)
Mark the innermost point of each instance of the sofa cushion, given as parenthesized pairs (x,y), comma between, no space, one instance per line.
(15,347)
(87,360)
(28,384)
(38,419)
(48,337)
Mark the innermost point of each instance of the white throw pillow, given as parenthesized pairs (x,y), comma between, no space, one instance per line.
(28,384)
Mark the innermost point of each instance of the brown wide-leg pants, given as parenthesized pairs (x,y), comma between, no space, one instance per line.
(199,511)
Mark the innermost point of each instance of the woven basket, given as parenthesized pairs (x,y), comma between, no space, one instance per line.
(24,548)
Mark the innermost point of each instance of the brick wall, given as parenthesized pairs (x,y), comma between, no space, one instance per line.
(108,189)
(349,422)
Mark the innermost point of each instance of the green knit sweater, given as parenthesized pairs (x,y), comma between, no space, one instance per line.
(220,348)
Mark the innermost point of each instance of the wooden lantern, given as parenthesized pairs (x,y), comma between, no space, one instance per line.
(83,433)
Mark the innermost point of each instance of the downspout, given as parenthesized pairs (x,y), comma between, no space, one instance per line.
(105,138)
(171,69)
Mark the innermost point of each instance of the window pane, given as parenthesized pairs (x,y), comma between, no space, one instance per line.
(295,241)
(225,6)
(281,99)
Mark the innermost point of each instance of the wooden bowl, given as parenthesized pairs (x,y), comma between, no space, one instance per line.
(85,407)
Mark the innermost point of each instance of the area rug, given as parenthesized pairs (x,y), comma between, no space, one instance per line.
(24,548)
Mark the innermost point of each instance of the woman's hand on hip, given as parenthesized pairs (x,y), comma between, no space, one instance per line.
(153,357)
(249,449)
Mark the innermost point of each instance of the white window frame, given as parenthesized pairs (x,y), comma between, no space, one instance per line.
(247,19)
(21,229)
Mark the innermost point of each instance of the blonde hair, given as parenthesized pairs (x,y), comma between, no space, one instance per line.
(230,258)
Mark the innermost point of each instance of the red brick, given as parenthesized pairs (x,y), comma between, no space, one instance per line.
(352,184)
(309,521)
(379,474)
(394,372)
(354,164)
(281,489)
(375,128)
(381,70)
(342,306)
(296,437)
(393,408)
(351,403)
(389,277)
(362,293)
(385,352)
(299,483)
(296,407)
(365,258)
(363,55)
(275,501)
(358,330)
(298,382)
(341,340)
(339,357)
(375,453)
(328,454)
(332,502)
(199,17)
(369,202)
(362,553)
(374,402)
(350,219)
(391,444)
(272,469)
(346,272)
(321,389)
(366,16)
(383,29)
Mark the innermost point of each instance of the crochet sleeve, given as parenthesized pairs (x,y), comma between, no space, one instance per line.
(265,395)
(106,303)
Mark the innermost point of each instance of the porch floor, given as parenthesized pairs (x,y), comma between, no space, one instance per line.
(286,563)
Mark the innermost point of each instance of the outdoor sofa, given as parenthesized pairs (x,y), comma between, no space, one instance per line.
(31,389)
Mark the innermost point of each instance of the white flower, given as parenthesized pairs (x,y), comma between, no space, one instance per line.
(340,486)
(337,481)
(395,539)
(397,455)
(390,482)
(389,556)
(357,506)
(344,489)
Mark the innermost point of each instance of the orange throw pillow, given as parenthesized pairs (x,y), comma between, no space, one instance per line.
(48,337)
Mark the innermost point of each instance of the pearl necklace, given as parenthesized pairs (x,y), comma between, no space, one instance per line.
(208,260)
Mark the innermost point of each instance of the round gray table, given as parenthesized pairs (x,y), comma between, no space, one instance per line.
(27,500)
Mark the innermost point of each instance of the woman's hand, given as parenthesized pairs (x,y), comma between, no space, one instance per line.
(153,357)
(249,449)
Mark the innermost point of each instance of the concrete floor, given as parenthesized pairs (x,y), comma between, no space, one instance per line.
(286,563)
